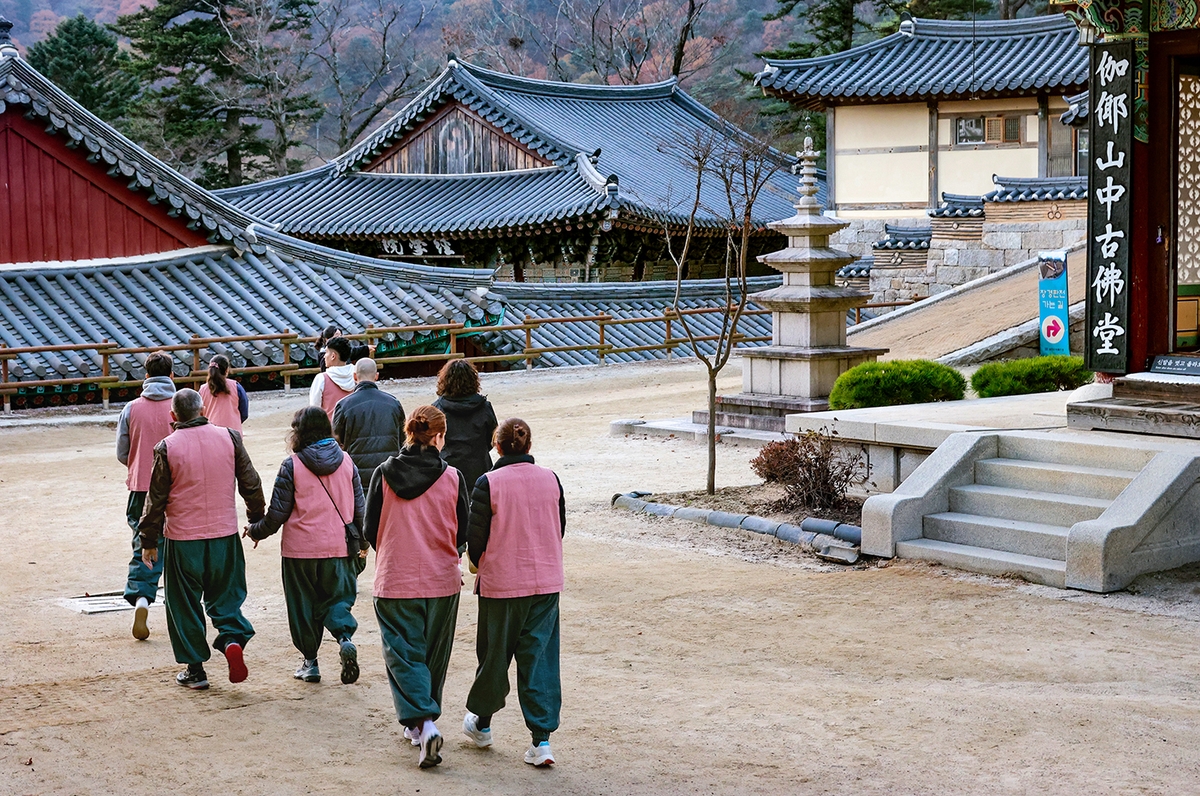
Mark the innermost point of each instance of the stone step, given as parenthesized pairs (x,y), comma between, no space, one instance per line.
(1025,505)
(738,420)
(1136,415)
(1049,449)
(1064,479)
(990,562)
(1012,536)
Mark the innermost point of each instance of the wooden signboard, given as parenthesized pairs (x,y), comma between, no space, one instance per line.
(1106,347)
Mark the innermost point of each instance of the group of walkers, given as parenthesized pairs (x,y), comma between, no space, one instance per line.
(431,493)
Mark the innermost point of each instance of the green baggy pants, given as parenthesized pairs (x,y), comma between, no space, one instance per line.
(204,576)
(527,628)
(319,593)
(417,638)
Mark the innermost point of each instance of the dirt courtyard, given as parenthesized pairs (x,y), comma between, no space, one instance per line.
(694,660)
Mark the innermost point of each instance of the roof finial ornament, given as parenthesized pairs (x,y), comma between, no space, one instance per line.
(7,48)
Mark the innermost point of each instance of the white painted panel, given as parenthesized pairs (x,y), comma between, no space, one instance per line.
(970,171)
(873,126)
(879,179)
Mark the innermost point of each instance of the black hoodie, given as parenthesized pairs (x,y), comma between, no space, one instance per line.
(321,458)
(409,476)
(470,422)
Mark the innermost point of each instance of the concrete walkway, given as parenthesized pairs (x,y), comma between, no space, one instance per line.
(965,315)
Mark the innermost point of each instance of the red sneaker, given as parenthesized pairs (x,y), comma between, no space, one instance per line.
(237,666)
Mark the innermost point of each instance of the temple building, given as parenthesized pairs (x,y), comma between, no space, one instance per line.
(542,181)
(107,254)
(939,107)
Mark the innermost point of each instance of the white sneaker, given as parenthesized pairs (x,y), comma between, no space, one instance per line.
(482,738)
(431,746)
(141,612)
(413,735)
(539,754)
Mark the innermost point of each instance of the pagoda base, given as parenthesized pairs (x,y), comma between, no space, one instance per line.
(758,411)
(802,373)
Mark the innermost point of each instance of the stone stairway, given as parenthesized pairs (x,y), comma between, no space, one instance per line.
(1014,518)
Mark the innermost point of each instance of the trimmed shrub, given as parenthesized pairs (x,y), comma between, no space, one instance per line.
(814,470)
(901,381)
(1024,376)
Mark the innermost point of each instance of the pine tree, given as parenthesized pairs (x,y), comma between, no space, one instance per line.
(83,59)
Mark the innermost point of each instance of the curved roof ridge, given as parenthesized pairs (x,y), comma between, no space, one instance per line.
(275,182)
(561,88)
(474,175)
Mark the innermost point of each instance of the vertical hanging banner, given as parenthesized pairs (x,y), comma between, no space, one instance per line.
(1053,303)
(1110,126)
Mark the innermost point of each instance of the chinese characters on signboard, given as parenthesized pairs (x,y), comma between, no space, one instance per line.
(1109,216)
(418,248)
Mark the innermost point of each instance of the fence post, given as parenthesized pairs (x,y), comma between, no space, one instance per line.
(4,381)
(105,370)
(287,360)
(528,343)
(195,358)
(667,337)
(603,324)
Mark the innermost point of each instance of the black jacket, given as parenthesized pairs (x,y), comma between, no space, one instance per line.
(369,425)
(322,458)
(480,527)
(470,423)
(409,476)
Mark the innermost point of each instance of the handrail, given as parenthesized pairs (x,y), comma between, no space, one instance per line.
(288,370)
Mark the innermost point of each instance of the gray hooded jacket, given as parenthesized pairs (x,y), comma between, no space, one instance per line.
(155,388)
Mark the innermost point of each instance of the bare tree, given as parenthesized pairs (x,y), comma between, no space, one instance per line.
(741,168)
(369,61)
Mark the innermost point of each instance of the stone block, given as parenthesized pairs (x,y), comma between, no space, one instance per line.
(723,519)
(950,256)
(760,525)
(981,258)
(1045,240)
(1015,256)
(938,287)
(1011,226)
(1002,240)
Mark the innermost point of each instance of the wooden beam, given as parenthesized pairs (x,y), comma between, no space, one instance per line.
(830,160)
(933,155)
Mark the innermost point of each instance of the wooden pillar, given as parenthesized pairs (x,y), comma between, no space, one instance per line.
(1043,136)
(830,160)
(933,155)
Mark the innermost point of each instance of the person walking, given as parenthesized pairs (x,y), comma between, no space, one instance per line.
(514,540)
(368,423)
(417,522)
(470,420)
(316,493)
(223,405)
(191,505)
(144,422)
(327,334)
(338,379)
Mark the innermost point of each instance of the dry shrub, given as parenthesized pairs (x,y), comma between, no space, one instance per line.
(814,470)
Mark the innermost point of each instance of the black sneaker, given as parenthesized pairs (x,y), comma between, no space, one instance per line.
(193,678)
(349,656)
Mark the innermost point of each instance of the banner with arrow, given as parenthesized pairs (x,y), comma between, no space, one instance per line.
(1053,303)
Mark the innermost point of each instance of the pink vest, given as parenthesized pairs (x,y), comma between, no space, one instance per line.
(203,484)
(222,410)
(149,424)
(331,394)
(416,550)
(524,549)
(315,529)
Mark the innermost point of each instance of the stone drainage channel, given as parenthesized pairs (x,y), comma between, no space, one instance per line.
(828,539)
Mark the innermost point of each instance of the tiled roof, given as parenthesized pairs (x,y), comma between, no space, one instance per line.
(154,300)
(1037,189)
(324,203)
(620,300)
(610,147)
(858,269)
(24,90)
(957,205)
(904,238)
(934,59)
(1076,114)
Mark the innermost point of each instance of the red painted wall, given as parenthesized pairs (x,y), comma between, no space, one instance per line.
(54,205)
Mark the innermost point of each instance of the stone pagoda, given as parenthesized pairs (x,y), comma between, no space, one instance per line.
(808,348)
